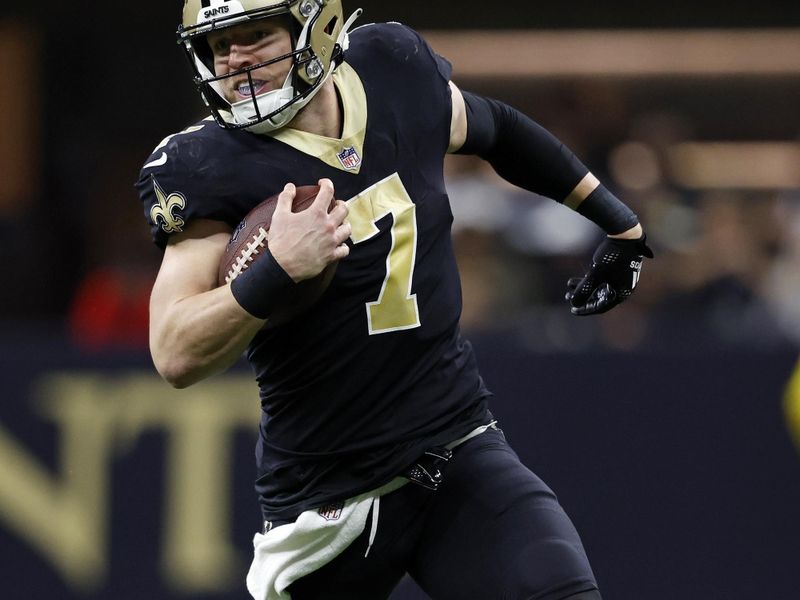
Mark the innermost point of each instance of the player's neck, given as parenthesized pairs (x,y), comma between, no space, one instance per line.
(323,115)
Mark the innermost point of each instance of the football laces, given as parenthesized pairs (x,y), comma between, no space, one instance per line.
(248,253)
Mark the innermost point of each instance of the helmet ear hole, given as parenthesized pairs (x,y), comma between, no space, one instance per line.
(203,52)
(331,25)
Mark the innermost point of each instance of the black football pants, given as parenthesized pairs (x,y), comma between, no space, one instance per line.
(492,531)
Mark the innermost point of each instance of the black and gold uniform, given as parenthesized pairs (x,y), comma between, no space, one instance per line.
(357,387)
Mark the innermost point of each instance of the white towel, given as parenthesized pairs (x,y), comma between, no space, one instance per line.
(288,552)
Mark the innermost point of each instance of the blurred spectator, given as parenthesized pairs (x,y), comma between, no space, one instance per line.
(110,309)
(109,306)
(781,282)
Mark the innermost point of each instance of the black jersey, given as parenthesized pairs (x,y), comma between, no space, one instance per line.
(357,387)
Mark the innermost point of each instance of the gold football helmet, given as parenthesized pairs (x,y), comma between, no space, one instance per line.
(319,38)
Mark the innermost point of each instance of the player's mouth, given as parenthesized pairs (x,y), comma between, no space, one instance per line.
(244,90)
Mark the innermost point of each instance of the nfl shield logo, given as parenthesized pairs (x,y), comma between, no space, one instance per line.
(331,512)
(349,158)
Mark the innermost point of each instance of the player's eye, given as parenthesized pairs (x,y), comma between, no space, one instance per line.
(221,46)
(260,35)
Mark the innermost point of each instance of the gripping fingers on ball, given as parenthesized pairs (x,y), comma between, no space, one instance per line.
(339,212)
(324,196)
(343,232)
(285,198)
(341,251)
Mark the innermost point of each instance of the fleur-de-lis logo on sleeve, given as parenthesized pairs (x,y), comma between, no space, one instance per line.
(164,209)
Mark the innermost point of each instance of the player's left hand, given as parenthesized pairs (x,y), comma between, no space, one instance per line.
(614,273)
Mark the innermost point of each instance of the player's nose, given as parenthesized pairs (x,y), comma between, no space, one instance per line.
(239,57)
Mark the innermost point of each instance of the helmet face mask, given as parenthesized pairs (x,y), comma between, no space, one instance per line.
(318,38)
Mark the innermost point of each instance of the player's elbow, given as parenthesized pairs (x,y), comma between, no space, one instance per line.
(178,381)
(178,372)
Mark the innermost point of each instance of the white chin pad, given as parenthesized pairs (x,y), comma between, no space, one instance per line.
(244,111)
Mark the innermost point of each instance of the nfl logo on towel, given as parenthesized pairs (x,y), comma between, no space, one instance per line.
(349,158)
(331,512)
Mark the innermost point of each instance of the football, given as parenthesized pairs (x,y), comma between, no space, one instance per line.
(251,236)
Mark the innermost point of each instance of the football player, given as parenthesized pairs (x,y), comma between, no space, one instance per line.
(377,452)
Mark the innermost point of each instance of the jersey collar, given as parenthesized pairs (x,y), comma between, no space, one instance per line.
(346,153)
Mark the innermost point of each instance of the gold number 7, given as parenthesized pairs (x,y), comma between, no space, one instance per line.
(396,307)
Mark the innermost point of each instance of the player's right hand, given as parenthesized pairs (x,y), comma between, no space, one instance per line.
(304,243)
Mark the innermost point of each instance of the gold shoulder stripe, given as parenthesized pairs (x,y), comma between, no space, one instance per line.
(585,187)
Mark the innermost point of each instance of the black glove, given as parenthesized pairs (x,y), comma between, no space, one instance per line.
(614,273)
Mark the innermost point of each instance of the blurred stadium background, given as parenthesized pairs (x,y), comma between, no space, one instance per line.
(666,427)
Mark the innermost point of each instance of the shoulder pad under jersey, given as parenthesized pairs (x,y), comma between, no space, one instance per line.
(188,176)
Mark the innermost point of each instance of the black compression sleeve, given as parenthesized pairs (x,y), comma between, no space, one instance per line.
(526,154)
(520,150)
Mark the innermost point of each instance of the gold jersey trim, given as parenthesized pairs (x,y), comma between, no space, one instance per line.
(328,150)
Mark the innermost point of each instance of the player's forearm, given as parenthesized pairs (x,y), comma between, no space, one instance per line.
(200,335)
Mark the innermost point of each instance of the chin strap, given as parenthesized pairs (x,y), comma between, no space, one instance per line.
(245,110)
